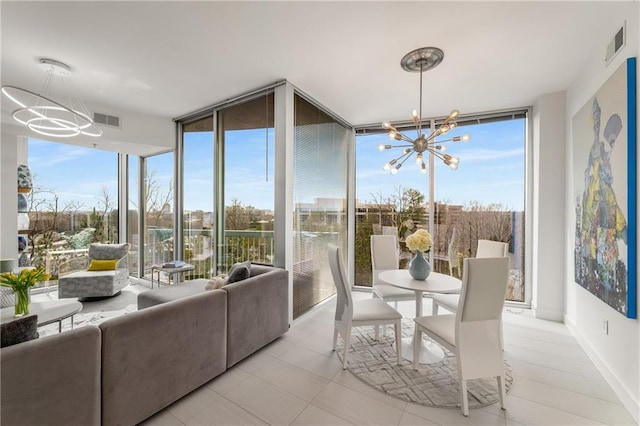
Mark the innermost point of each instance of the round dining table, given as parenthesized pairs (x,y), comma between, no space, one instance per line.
(435,283)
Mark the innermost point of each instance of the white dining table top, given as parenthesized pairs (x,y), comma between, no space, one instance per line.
(435,282)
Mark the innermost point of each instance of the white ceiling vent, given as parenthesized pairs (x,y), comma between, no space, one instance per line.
(107,120)
(616,44)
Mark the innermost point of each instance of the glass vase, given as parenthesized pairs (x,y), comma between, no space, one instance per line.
(22,302)
(419,267)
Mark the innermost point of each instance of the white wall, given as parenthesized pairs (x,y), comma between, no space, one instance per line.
(8,195)
(616,354)
(548,198)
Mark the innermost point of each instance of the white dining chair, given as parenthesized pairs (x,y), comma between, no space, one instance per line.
(350,313)
(473,334)
(486,248)
(384,257)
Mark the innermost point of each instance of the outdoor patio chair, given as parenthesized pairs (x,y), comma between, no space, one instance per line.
(104,273)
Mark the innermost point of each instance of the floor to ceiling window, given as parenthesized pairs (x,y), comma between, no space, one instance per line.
(198,216)
(157,199)
(320,201)
(483,199)
(246,191)
(66,214)
(133,214)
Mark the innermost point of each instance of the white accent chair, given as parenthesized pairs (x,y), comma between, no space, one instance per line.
(350,313)
(486,248)
(473,334)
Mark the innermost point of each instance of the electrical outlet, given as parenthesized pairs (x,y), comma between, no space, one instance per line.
(605,326)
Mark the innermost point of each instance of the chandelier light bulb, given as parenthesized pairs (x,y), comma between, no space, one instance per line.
(466,137)
(381,147)
(394,171)
(423,169)
(441,148)
(387,166)
(453,166)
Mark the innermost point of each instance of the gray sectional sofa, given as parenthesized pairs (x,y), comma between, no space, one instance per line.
(130,367)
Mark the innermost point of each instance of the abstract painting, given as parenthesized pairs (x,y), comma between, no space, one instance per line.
(604,176)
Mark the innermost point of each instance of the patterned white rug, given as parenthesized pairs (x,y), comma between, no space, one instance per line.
(375,363)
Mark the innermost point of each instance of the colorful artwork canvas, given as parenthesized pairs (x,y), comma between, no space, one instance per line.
(604,170)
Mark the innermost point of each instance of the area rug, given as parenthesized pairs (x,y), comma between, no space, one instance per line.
(436,385)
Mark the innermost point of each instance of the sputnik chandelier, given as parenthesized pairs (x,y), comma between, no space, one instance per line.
(47,117)
(421,60)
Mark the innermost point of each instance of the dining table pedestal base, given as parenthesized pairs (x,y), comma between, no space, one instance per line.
(430,352)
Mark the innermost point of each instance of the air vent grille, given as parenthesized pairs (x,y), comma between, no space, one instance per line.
(615,45)
(107,120)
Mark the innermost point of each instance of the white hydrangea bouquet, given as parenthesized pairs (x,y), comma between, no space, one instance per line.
(420,240)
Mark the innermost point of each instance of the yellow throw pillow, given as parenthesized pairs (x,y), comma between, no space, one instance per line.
(102,265)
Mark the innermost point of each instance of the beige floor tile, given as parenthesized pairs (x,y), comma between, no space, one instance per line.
(229,380)
(552,396)
(325,365)
(345,378)
(224,412)
(569,381)
(409,419)
(356,407)
(525,412)
(292,379)
(314,416)
(267,402)
(162,418)
(453,416)
(189,405)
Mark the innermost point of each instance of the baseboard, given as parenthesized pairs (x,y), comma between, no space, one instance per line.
(620,390)
(548,314)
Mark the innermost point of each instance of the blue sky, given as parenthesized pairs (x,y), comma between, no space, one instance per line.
(491,169)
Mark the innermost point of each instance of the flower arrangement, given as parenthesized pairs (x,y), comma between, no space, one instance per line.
(420,240)
(20,283)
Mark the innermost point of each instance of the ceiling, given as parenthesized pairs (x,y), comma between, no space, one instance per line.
(166,59)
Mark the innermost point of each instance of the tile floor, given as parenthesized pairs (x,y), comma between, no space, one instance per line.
(298,380)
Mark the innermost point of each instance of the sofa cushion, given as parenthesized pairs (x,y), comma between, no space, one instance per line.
(108,251)
(19,330)
(102,265)
(239,272)
(152,357)
(54,380)
(167,294)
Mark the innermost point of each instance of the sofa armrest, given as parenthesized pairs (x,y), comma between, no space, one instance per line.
(257,312)
(54,380)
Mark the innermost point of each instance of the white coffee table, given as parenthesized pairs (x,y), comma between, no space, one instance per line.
(435,283)
(48,312)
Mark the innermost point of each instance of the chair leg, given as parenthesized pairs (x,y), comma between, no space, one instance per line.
(347,338)
(463,395)
(434,307)
(417,343)
(398,331)
(335,338)
(501,390)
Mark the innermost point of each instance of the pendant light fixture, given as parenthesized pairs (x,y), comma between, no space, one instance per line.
(40,113)
(421,60)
